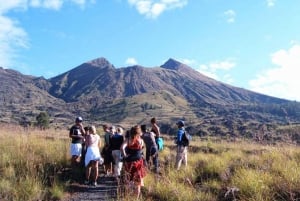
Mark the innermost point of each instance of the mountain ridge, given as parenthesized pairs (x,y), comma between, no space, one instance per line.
(96,87)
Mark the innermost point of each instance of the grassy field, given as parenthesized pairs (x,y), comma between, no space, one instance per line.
(223,170)
(31,162)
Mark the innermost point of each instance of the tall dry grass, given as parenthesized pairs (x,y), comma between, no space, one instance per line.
(223,170)
(217,170)
(29,162)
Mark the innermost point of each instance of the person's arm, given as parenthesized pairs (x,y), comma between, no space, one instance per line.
(156,129)
(152,136)
(123,147)
(71,132)
(82,131)
(142,143)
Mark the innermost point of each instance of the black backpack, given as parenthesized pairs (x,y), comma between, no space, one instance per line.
(185,141)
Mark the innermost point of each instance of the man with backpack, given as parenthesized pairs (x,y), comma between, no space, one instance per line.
(182,144)
(151,148)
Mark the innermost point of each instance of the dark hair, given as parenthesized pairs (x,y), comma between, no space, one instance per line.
(153,120)
(127,135)
(144,128)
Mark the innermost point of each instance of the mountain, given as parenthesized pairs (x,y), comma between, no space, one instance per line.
(99,78)
(129,95)
(21,99)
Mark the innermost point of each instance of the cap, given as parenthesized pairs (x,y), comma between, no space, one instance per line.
(78,119)
(180,123)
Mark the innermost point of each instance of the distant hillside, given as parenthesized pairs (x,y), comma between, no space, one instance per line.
(21,100)
(129,95)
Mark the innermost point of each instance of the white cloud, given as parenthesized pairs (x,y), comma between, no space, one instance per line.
(282,80)
(12,36)
(154,8)
(131,61)
(222,65)
(271,3)
(189,62)
(204,69)
(52,4)
(217,69)
(230,16)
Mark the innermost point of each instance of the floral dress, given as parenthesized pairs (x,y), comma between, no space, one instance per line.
(134,164)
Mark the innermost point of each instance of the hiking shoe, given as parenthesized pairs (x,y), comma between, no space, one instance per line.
(86,182)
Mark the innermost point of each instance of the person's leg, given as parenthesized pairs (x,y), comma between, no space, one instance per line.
(76,173)
(87,173)
(154,153)
(108,163)
(95,167)
(111,163)
(74,160)
(148,154)
(115,167)
(118,163)
(178,157)
(184,156)
(138,191)
(155,162)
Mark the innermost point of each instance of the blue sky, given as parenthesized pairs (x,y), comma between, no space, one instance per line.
(250,44)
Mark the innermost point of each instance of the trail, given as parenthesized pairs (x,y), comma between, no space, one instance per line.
(107,189)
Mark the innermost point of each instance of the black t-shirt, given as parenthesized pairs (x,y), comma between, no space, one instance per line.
(149,140)
(75,130)
(116,141)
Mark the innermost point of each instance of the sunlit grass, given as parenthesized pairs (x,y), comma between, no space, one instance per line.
(29,161)
(223,170)
(217,170)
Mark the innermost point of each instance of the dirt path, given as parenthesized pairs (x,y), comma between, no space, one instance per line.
(107,189)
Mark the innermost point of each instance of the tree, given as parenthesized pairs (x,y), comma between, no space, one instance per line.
(43,120)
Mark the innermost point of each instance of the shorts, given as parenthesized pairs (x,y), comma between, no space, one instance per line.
(76,149)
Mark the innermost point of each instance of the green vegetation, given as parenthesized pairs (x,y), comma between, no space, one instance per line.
(43,120)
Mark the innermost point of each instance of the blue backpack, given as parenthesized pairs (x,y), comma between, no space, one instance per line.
(160,143)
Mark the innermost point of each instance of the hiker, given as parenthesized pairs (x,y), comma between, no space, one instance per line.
(181,155)
(92,157)
(151,148)
(77,134)
(106,151)
(155,127)
(84,147)
(133,160)
(116,142)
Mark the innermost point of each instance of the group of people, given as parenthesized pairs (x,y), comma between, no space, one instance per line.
(120,151)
